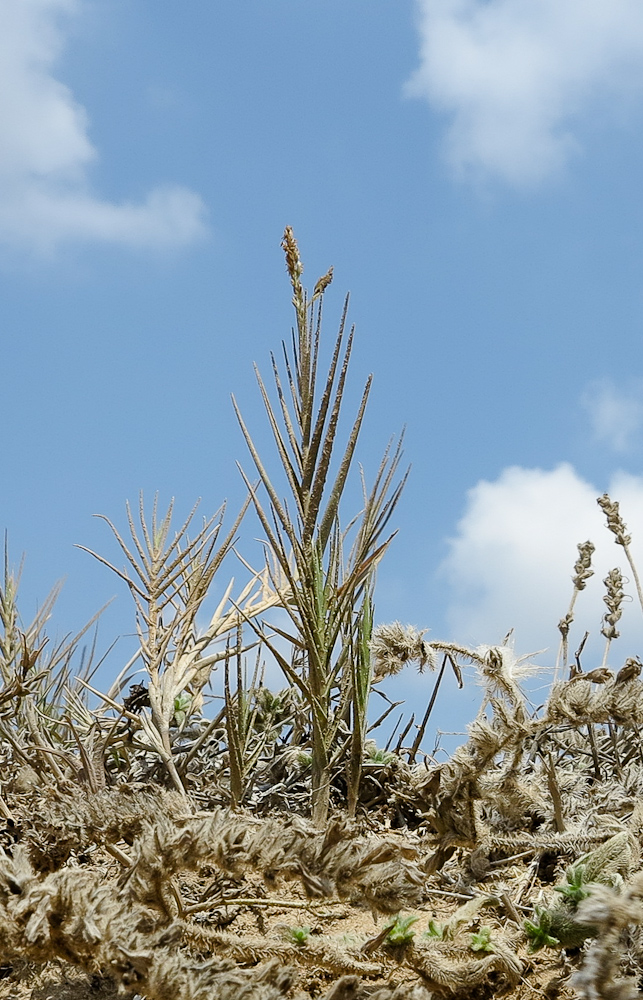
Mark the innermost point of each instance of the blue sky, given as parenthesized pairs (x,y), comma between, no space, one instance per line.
(472,170)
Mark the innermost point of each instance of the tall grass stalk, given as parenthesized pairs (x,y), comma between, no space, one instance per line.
(326,590)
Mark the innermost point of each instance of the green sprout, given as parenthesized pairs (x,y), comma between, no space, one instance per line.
(481,940)
(435,930)
(182,704)
(378,756)
(539,933)
(576,887)
(399,931)
(299,935)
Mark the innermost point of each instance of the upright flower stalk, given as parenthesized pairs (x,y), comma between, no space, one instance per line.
(617,526)
(582,572)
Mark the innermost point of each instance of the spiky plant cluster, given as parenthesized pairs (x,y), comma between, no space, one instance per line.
(168,853)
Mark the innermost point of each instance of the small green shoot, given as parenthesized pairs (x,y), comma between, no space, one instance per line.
(481,940)
(538,933)
(181,707)
(575,889)
(379,756)
(400,932)
(435,930)
(299,935)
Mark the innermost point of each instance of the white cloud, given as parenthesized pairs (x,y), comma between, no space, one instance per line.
(616,413)
(515,74)
(511,560)
(45,150)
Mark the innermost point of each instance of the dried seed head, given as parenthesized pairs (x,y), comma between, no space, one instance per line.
(393,646)
(583,565)
(293,260)
(323,283)
(615,522)
(614,600)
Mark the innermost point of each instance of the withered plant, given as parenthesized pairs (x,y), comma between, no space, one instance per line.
(169,577)
(43,699)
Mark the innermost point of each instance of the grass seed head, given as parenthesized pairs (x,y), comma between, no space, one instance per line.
(291,250)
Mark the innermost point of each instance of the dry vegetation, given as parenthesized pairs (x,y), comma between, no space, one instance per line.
(272,850)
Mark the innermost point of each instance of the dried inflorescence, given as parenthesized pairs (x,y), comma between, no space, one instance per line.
(614,597)
(583,565)
(393,646)
(582,701)
(615,522)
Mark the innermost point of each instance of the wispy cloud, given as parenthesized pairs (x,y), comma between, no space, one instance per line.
(46,152)
(616,413)
(511,560)
(513,75)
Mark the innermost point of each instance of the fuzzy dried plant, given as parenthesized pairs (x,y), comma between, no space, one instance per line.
(610,911)
(76,916)
(139,928)
(395,645)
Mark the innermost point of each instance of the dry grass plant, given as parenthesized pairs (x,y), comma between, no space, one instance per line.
(169,578)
